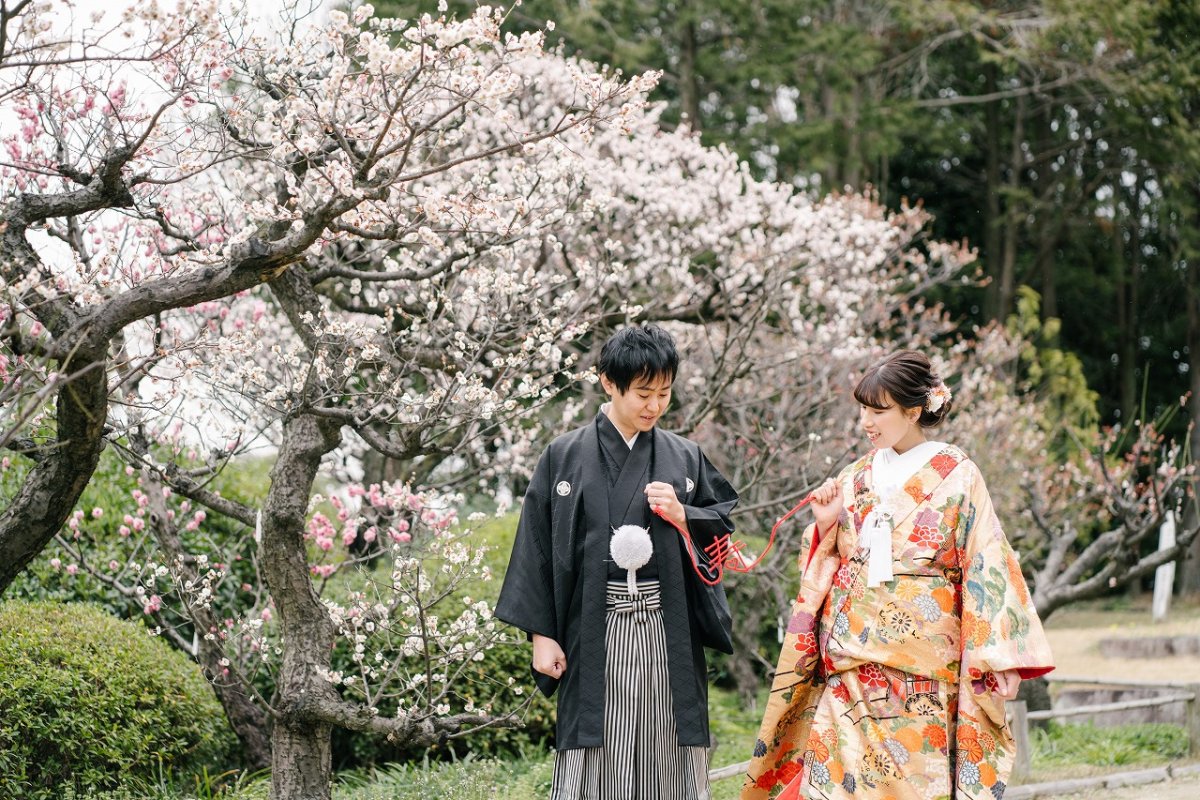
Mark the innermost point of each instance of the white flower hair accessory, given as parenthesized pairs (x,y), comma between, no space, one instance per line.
(937,397)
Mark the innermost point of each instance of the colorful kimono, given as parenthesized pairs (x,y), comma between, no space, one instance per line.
(886,691)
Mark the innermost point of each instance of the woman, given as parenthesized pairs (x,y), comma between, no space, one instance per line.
(913,624)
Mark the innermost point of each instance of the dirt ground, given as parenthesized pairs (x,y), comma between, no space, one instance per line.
(1075,634)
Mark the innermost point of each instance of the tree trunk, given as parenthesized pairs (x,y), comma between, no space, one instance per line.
(689,82)
(248,721)
(882,180)
(1049,225)
(834,172)
(301,763)
(853,171)
(1189,579)
(991,191)
(53,487)
(1126,346)
(1006,291)
(1133,274)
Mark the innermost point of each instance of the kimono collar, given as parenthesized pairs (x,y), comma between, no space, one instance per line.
(880,505)
(891,470)
(628,442)
(916,487)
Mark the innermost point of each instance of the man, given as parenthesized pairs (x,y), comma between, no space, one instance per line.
(628,665)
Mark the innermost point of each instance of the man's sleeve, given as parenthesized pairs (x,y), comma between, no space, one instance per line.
(710,507)
(527,596)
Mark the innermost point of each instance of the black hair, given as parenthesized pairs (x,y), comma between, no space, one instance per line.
(639,351)
(906,376)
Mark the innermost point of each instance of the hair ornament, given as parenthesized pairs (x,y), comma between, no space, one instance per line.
(937,397)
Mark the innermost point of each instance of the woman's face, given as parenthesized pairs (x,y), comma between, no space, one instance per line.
(891,426)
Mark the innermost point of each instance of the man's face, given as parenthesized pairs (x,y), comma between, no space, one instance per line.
(639,407)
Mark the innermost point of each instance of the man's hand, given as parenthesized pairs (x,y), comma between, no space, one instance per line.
(662,496)
(548,657)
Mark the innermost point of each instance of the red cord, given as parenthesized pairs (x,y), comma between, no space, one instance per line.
(725,553)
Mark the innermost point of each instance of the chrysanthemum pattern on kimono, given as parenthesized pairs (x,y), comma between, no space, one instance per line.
(885,692)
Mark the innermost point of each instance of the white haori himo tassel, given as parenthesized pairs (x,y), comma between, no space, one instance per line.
(877,537)
(631,550)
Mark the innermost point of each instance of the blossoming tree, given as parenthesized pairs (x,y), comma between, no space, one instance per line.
(331,167)
(400,238)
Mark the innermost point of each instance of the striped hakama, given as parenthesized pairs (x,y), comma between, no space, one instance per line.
(641,758)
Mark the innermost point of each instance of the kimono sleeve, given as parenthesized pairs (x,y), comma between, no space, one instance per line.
(1000,627)
(527,596)
(709,507)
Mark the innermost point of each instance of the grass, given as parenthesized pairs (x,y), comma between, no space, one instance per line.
(471,779)
(1073,750)
(1060,751)
(735,726)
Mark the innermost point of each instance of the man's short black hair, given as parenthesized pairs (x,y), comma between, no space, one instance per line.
(639,351)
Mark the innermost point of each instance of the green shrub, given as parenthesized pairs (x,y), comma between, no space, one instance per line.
(88,701)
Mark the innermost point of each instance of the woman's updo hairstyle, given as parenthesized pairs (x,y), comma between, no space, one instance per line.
(908,377)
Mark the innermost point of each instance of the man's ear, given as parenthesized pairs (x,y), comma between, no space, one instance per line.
(607,385)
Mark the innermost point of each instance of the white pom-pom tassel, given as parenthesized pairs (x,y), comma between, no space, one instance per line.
(631,550)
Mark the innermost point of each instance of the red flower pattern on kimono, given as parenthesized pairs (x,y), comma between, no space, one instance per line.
(943,464)
(925,530)
(872,676)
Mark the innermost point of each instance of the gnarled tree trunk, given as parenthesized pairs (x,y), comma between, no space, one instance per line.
(301,763)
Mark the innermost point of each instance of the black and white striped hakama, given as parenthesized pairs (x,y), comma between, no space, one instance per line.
(641,758)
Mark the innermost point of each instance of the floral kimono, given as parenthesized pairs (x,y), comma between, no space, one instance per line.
(885,692)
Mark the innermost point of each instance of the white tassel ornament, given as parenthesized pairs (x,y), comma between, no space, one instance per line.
(631,549)
(877,537)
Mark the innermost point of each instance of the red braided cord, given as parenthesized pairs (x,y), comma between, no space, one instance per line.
(725,553)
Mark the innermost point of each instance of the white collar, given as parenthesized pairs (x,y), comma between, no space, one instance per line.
(890,469)
(628,442)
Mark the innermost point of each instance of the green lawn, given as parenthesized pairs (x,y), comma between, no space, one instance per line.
(1061,751)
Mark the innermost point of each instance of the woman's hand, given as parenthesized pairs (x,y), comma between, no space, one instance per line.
(548,657)
(827,504)
(662,495)
(1008,683)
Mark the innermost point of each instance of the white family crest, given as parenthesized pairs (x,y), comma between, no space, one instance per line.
(691,484)
(563,488)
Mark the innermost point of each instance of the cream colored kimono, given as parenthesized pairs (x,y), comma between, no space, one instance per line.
(885,692)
